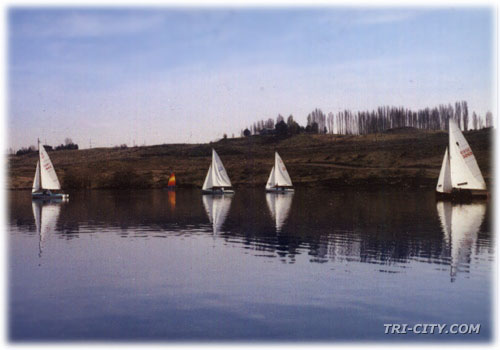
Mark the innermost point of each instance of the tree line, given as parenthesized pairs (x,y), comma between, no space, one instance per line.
(68,144)
(379,120)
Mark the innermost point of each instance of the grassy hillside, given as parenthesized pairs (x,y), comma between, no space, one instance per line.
(404,158)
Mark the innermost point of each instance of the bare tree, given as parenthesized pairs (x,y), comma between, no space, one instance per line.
(317,116)
(330,121)
(465,115)
(489,119)
(474,121)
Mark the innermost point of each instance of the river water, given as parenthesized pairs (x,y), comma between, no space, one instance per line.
(316,265)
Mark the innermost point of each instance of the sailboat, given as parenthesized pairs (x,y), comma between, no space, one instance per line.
(171,182)
(45,178)
(279,179)
(279,205)
(460,224)
(460,175)
(217,208)
(216,181)
(46,215)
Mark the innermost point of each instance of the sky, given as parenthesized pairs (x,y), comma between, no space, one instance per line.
(108,76)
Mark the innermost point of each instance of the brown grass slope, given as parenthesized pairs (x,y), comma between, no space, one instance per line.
(404,158)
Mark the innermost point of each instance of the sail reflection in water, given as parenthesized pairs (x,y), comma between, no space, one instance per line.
(171,199)
(460,224)
(217,207)
(279,204)
(46,215)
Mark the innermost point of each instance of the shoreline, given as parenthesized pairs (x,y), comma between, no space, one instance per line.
(389,160)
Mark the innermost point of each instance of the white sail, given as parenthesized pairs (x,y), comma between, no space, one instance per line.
(220,177)
(444,180)
(46,216)
(461,226)
(217,208)
(36,180)
(279,205)
(47,173)
(270,182)
(208,179)
(217,175)
(465,172)
(281,176)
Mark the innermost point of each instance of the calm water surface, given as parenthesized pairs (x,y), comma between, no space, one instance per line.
(312,266)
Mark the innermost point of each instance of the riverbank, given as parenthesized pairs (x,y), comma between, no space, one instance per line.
(407,158)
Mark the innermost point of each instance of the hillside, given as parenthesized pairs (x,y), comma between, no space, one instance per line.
(405,158)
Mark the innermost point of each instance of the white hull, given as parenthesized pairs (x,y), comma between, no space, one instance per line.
(217,191)
(48,196)
(280,190)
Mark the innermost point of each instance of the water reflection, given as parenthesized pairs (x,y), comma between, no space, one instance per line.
(46,214)
(217,207)
(313,265)
(171,199)
(279,204)
(460,224)
(386,228)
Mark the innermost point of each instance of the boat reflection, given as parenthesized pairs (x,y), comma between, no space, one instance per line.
(460,224)
(171,199)
(279,205)
(46,214)
(383,228)
(217,208)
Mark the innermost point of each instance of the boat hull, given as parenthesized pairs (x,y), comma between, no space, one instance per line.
(217,191)
(462,195)
(280,190)
(50,196)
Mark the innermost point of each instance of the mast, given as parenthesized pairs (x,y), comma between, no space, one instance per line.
(40,161)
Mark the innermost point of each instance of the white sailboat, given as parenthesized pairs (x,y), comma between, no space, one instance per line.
(460,174)
(217,208)
(45,178)
(217,180)
(279,179)
(46,215)
(460,224)
(279,205)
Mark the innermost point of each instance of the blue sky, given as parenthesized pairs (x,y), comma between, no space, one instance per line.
(169,75)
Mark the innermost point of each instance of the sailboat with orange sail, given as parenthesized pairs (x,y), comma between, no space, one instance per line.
(171,182)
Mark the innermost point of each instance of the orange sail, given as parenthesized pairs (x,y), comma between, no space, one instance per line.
(171,180)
